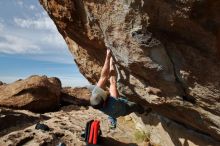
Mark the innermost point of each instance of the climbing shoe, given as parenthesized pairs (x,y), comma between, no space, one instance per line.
(112,126)
(112,123)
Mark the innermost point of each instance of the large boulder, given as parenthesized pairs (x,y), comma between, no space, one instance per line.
(36,93)
(170,45)
(75,96)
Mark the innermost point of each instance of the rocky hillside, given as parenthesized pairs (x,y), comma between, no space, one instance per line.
(173,46)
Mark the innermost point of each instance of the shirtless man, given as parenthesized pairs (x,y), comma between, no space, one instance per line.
(111,104)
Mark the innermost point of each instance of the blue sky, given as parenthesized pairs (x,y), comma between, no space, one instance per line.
(31,45)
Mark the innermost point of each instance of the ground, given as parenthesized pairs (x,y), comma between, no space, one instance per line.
(66,126)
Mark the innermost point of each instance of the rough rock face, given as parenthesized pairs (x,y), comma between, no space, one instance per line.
(170,45)
(36,93)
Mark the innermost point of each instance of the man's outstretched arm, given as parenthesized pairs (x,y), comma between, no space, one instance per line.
(105,71)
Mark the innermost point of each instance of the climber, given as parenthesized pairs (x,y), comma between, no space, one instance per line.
(111,103)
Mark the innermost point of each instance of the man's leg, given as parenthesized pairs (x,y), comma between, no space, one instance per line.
(105,71)
(113,92)
(113,83)
(127,107)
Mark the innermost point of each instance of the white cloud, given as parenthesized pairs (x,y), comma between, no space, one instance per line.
(15,45)
(34,35)
(55,39)
(44,23)
(2,26)
(62,58)
(20,3)
(32,7)
(13,41)
(41,23)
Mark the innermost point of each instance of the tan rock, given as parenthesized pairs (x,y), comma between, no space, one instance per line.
(66,126)
(164,132)
(128,118)
(77,96)
(172,46)
(12,120)
(36,93)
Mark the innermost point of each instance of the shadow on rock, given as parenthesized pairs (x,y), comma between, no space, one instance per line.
(11,120)
(70,108)
(178,133)
(184,136)
(108,141)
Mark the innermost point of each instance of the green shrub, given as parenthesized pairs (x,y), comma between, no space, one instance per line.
(141,136)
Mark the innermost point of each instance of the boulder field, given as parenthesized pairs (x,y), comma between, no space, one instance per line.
(172,46)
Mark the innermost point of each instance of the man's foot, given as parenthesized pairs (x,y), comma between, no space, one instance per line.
(108,53)
(112,122)
(112,126)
